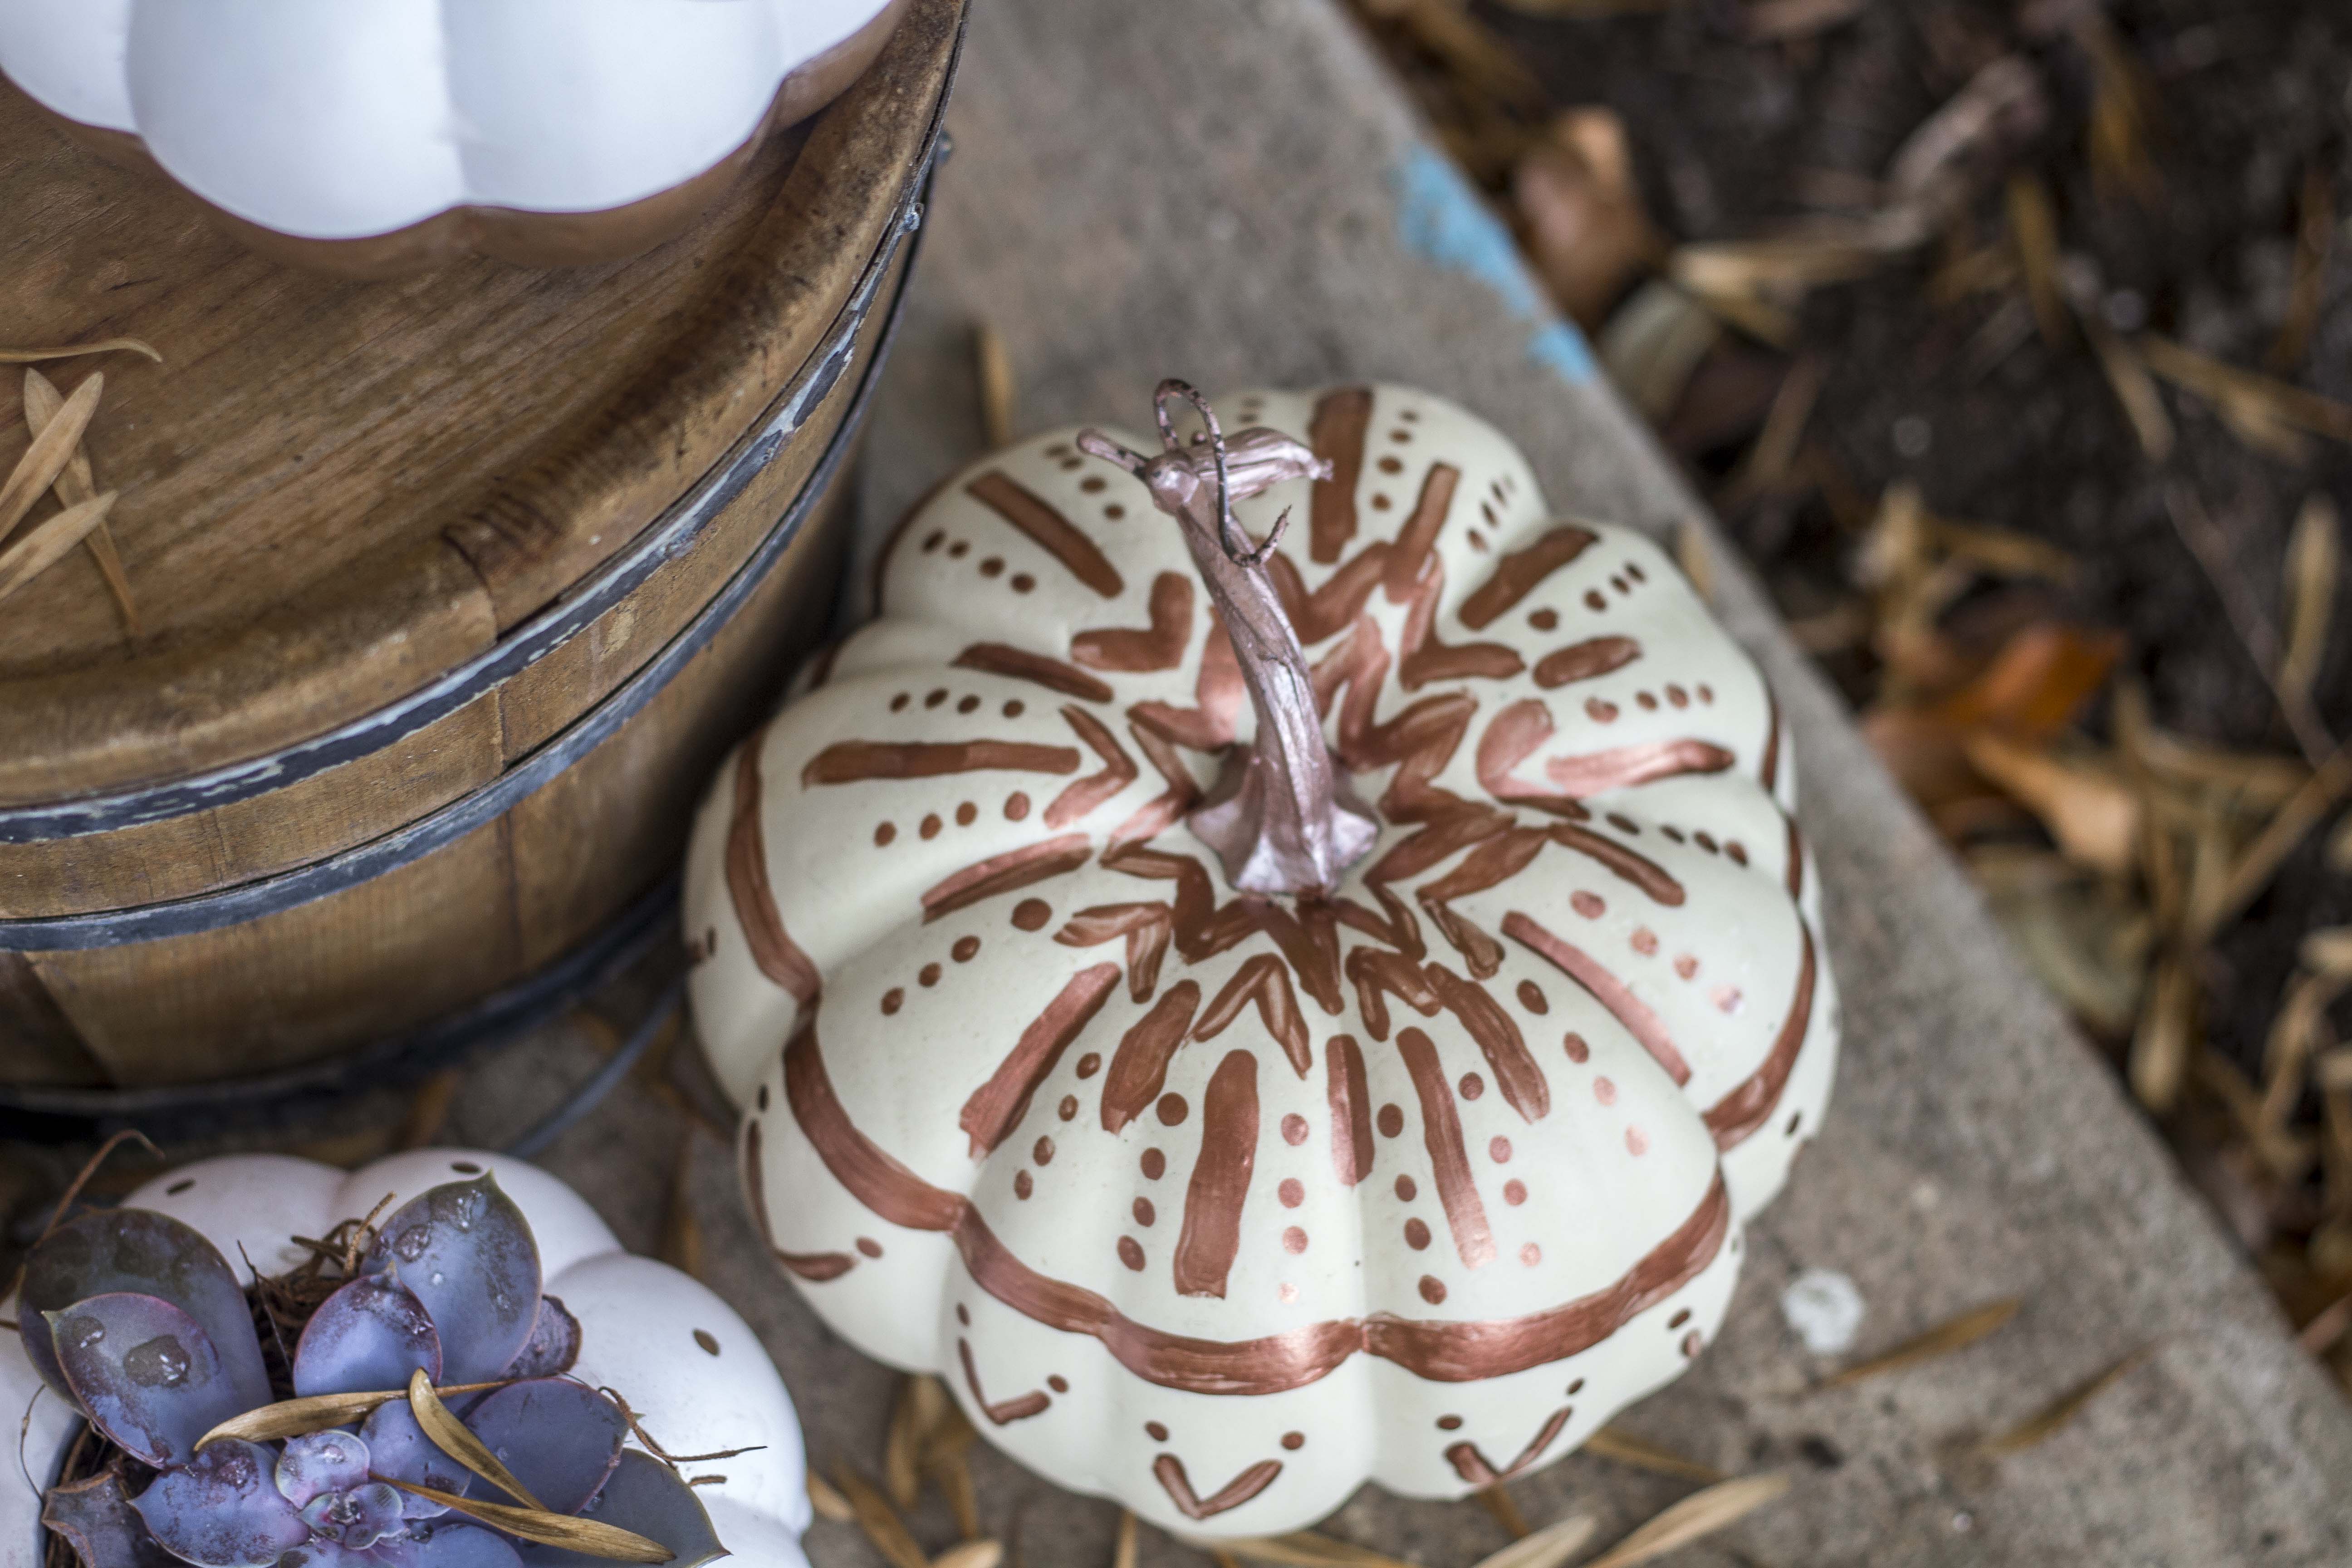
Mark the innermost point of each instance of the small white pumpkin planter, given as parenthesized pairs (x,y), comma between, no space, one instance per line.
(694,1371)
(616,120)
(1416,1163)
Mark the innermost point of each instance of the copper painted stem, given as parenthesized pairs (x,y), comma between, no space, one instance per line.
(1281,818)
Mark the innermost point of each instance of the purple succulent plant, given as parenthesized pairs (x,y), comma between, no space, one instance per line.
(138,1320)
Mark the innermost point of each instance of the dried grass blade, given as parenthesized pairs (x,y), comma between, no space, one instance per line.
(2047,1423)
(1308,1549)
(75,351)
(1123,1552)
(2315,568)
(2328,949)
(980,1553)
(533,1524)
(2033,224)
(1497,1501)
(998,398)
(1700,1514)
(828,1501)
(49,541)
(449,1435)
(1769,463)
(2221,385)
(878,1520)
(901,1475)
(2166,1035)
(1549,1547)
(2134,388)
(1613,1443)
(2304,811)
(1697,563)
(47,458)
(294,1418)
(1957,1333)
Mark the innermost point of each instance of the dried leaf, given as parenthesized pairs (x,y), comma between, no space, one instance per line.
(2254,869)
(1696,1516)
(828,1502)
(2328,949)
(1653,344)
(75,351)
(1615,1443)
(2060,1412)
(49,541)
(452,1438)
(2226,385)
(2167,1034)
(2082,937)
(880,1523)
(2314,570)
(1786,266)
(1497,1501)
(2002,551)
(901,1444)
(293,1417)
(43,402)
(2091,812)
(2034,226)
(49,454)
(970,1554)
(1768,467)
(1488,65)
(2297,1034)
(999,399)
(681,1234)
(1307,1549)
(1122,1553)
(1549,1547)
(2128,376)
(1580,213)
(1962,150)
(546,1529)
(1944,1338)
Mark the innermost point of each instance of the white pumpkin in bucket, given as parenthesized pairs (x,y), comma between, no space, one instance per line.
(1238,1099)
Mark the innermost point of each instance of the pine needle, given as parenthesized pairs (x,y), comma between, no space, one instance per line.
(2060,1412)
(48,454)
(295,1418)
(560,1529)
(1615,1443)
(43,402)
(1308,1549)
(49,541)
(875,1516)
(1944,1338)
(999,397)
(75,351)
(1122,1554)
(1692,555)
(2033,224)
(980,1553)
(828,1502)
(2245,391)
(1549,1547)
(1698,1515)
(2315,570)
(450,1436)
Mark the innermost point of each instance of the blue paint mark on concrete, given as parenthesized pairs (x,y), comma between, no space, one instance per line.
(1442,219)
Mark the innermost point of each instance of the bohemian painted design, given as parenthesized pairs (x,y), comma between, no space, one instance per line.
(1218,1202)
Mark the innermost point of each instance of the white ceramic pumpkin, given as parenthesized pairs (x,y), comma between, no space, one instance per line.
(1221,1203)
(693,1371)
(339,125)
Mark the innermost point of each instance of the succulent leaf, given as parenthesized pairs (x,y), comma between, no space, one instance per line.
(318,1553)
(114,1250)
(369,1335)
(319,1462)
(355,1519)
(647,1497)
(466,1251)
(96,1522)
(561,1439)
(448,1546)
(145,1373)
(223,1508)
(399,1450)
(554,1345)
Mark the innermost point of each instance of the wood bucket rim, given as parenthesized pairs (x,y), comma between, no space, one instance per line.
(364,862)
(536,635)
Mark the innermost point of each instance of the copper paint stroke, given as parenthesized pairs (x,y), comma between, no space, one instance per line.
(1626,865)
(1424,656)
(1159,646)
(818,1266)
(1020,664)
(1351,1110)
(1146,927)
(1517,573)
(1165,809)
(1621,767)
(1372,973)
(1219,690)
(1737,1115)
(855,761)
(1221,1178)
(1003,873)
(1119,771)
(1796,858)
(1309,939)
(1494,861)
(1441,1351)
(1441,1134)
(1448,831)
(1416,543)
(1604,988)
(1036,1402)
(1335,431)
(1474,1468)
(1170,1469)
(997,1107)
(1328,610)
(748,888)
(1481,952)
(1051,532)
(1263,979)
(1139,1068)
(1394,928)
(1769,772)
(1516,1076)
(1512,736)
(1584,660)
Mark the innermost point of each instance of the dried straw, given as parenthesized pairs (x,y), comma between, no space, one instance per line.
(1696,1516)
(1955,1334)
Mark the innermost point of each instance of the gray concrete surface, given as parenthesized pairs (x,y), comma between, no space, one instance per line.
(1232,191)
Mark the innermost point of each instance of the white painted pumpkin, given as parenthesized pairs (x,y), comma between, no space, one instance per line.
(1221,1205)
(641,1323)
(347,122)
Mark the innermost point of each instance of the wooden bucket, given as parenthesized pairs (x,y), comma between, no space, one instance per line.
(452,592)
